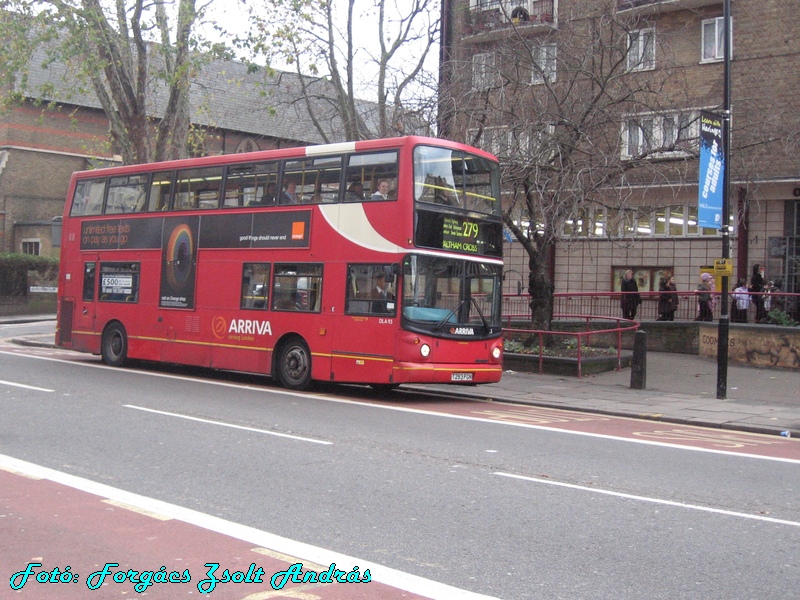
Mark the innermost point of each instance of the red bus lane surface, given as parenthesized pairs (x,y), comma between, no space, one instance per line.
(613,427)
(59,542)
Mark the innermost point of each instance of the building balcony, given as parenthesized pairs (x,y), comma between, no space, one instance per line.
(492,19)
(649,7)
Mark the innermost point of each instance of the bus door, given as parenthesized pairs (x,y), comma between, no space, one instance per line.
(77,308)
(85,313)
(364,343)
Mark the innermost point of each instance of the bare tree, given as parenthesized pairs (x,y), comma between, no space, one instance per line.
(362,62)
(136,57)
(569,111)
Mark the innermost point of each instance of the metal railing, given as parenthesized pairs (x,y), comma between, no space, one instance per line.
(516,307)
(582,337)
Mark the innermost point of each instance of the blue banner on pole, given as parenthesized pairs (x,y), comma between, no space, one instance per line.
(712,165)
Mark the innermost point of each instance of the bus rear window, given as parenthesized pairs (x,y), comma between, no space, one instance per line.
(88,198)
(126,194)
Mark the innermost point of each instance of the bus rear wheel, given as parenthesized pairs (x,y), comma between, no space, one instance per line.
(294,364)
(114,345)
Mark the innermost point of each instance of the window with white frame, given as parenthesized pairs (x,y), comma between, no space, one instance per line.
(543,63)
(638,136)
(596,221)
(642,50)
(508,143)
(482,71)
(659,136)
(497,140)
(31,246)
(713,39)
(586,221)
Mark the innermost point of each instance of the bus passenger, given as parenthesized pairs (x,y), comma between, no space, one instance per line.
(269,195)
(382,193)
(355,192)
(288,196)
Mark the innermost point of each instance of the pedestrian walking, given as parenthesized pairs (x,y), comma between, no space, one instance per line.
(757,289)
(667,298)
(704,298)
(741,302)
(630,299)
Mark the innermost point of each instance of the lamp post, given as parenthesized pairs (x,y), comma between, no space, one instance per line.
(722,335)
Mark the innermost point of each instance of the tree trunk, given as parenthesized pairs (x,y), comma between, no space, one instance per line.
(540,288)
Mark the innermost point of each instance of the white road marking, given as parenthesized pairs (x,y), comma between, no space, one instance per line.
(304,552)
(27,387)
(593,490)
(231,425)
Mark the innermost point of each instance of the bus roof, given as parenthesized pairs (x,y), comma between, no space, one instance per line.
(280,153)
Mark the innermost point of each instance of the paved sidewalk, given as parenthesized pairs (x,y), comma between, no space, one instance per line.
(680,388)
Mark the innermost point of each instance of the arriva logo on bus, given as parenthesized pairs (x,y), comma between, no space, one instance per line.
(221,328)
(462,331)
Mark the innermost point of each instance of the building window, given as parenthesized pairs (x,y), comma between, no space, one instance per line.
(516,145)
(642,50)
(670,220)
(647,278)
(713,39)
(659,136)
(586,222)
(594,221)
(543,67)
(31,246)
(638,137)
(482,71)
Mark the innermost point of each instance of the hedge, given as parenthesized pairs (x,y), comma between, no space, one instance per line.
(14,270)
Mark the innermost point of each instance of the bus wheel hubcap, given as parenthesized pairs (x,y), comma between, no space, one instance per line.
(296,363)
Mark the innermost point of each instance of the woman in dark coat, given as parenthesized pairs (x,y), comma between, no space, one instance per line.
(667,299)
(756,289)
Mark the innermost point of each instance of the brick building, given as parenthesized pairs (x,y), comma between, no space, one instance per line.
(678,46)
(236,109)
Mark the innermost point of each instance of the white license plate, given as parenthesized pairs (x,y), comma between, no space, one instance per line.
(461,377)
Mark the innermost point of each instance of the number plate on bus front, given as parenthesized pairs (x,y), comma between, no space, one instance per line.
(461,377)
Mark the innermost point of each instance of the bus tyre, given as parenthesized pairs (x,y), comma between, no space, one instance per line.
(294,364)
(114,346)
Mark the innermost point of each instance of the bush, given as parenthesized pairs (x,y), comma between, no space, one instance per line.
(778,317)
(14,270)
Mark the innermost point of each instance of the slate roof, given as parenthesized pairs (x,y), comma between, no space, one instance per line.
(225,95)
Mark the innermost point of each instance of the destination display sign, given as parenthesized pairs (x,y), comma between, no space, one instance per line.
(458,233)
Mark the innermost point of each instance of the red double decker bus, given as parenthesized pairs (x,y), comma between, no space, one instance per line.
(375,262)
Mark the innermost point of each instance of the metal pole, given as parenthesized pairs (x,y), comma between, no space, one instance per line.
(722,335)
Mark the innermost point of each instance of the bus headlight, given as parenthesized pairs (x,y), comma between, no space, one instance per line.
(425,350)
(496,352)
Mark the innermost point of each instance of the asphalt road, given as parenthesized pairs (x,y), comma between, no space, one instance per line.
(482,505)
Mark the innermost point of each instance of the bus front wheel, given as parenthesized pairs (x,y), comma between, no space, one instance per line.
(114,348)
(294,364)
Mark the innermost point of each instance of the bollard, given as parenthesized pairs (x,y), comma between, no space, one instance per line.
(639,361)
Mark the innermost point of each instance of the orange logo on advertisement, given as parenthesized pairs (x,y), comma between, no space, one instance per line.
(298,230)
(220,327)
